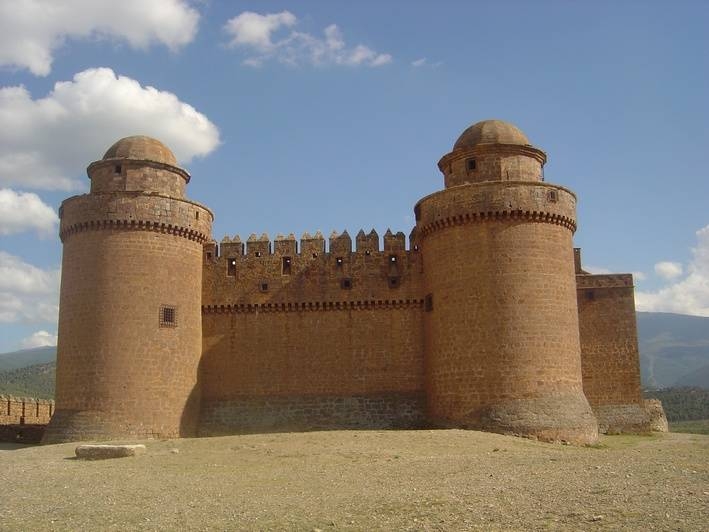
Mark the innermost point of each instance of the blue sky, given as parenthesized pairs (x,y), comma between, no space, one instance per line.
(295,117)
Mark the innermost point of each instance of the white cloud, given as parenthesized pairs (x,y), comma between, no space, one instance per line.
(419,62)
(25,211)
(31,30)
(668,270)
(257,34)
(39,339)
(46,143)
(690,293)
(252,29)
(27,293)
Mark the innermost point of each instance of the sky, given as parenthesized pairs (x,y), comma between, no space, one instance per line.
(332,115)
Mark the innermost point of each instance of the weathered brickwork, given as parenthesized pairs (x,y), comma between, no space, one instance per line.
(607,327)
(503,250)
(476,324)
(24,410)
(23,419)
(121,369)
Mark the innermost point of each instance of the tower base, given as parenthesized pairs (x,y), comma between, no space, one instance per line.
(563,418)
(93,425)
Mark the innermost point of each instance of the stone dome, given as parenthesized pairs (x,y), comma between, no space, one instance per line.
(491,132)
(141,148)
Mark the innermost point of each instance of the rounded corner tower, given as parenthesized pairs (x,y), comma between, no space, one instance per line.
(130,329)
(501,324)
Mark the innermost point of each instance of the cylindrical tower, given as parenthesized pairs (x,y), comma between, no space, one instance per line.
(130,329)
(501,328)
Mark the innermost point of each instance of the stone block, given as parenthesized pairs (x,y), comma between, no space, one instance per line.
(102,452)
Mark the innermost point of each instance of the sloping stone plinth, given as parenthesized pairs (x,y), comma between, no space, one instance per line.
(102,452)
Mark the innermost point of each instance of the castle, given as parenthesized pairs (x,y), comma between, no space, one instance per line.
(485,321)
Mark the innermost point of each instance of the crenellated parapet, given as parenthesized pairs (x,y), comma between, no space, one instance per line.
(338,244)
(283,271)
(25,410)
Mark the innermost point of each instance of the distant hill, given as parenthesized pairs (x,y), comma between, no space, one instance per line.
(27,357)
(682,404)
(674,350)
(36,380)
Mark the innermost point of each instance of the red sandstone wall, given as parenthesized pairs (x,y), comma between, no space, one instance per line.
(609,344)
(312,352)
(502,340)
(115,363)
(510,332)
(22,410)
(307,340)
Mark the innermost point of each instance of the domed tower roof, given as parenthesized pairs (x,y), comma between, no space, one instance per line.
(142,148)
(492,150)
(491,132)
(138,163)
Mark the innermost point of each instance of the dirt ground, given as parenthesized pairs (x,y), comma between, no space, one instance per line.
(364,480)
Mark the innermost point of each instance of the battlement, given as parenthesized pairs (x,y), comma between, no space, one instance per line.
(309,245)
(286,270)
(25,410)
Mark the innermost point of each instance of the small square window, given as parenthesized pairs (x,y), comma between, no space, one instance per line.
(392,259)
(346,283)
(339,262)
(428,303)
(315,255)
(264,287)
(258,253)
(367,252)
(470,165)
(117,169)
(394,282)
(286,266)
(553,196)
(231,267)
(168,316)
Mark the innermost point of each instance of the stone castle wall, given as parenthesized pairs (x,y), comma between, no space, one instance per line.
(23,410)
(311,351)
(609,349)
(23,419)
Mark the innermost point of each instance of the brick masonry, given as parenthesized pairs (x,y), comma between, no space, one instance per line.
(481,322)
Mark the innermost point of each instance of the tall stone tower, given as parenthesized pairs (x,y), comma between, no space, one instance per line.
(130,329)
(501,328)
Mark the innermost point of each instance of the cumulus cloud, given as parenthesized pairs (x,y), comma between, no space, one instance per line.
(27,293)
(39,339)
(25,211)
(257,34)
(689,294)
(31,30)
(47,142)
(668,270)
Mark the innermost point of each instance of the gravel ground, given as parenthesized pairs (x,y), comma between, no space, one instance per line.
(364,480)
